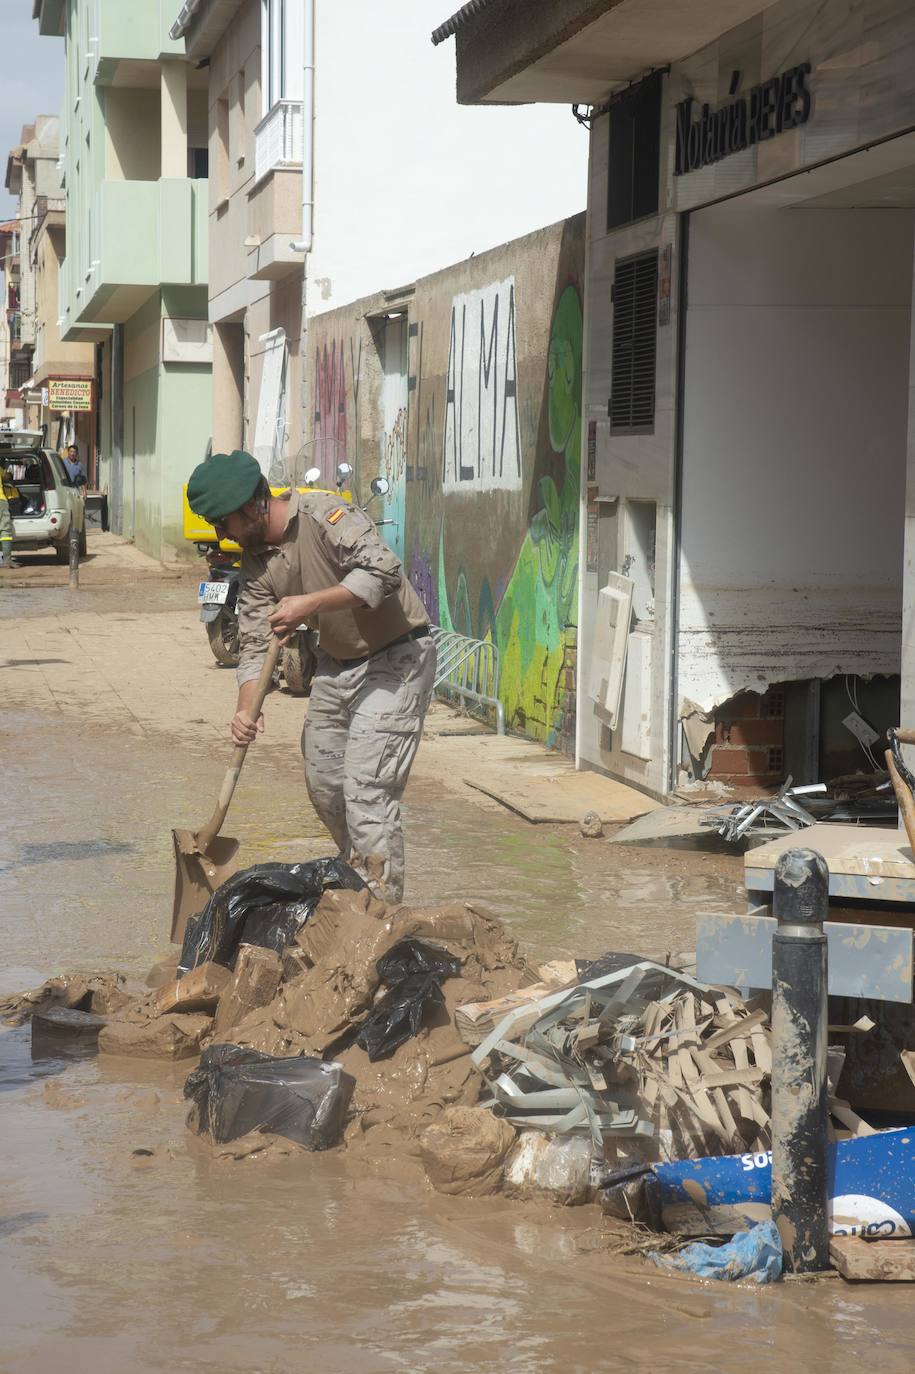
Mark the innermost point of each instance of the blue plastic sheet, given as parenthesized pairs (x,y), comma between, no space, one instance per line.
(754,1254)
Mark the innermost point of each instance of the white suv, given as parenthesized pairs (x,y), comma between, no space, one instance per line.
(46,501)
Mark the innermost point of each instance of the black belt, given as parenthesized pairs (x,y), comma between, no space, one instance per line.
(421,632)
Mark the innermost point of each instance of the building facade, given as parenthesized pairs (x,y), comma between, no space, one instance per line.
(133,278)
(463,390)
(17,356)
(747,458)
(59,391)
(381,207)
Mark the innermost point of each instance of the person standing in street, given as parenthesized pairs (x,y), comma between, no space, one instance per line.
(8,493)
(75,470)
(313,557)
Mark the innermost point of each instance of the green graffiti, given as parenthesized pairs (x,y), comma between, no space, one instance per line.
(537,616)
(534,622)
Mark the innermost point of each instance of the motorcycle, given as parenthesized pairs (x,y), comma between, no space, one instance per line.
(218,601)
(218,595)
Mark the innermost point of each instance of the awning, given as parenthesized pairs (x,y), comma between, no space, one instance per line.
(578,51)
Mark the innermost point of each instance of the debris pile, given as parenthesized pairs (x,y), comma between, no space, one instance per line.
(320,1016)
(651,1063)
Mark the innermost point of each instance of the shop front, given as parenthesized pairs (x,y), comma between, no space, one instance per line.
(748,392)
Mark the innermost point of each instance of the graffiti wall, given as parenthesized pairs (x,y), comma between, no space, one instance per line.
(476,423)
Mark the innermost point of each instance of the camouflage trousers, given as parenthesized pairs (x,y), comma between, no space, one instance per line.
(360,738)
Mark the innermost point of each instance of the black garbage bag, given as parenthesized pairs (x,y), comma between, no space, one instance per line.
(263,905)
(413,971)
(237,1090)
(410,956)
(612,962)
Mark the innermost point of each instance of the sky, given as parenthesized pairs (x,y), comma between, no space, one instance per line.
(32,84)
(408,181)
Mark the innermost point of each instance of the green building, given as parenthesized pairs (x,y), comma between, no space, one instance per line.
(134,280)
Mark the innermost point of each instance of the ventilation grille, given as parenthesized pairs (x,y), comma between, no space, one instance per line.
(635,295)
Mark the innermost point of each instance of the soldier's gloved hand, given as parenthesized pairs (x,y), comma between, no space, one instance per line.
(243,728)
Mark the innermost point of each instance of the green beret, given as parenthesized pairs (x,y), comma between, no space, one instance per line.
(222,484)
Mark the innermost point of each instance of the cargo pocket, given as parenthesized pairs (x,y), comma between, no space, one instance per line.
(381,751)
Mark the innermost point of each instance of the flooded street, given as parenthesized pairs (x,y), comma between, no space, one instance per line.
(125,1248)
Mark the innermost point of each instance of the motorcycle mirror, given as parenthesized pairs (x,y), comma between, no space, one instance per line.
(380,486)
(312,475)
(343,471)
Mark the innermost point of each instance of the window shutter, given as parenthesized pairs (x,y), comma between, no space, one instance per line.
(634,146)
(632,384)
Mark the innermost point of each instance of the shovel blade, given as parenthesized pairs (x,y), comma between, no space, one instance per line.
(198,875)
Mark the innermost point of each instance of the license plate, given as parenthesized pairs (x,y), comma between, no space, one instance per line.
(212,593)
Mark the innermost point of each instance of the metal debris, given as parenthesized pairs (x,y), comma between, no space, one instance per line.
(768,817)
(644,1058)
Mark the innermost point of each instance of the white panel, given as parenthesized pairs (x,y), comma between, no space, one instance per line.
(481,447)
(187,341)
(293,49)
(611,636)
(268,442)
(635,732)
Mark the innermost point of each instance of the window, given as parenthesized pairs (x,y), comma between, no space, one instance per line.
(198,163)
(635,152)
(282,51)
(632,383)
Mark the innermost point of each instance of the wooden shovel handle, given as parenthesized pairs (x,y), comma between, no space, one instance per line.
(903,797)
(226,792)
(904,736)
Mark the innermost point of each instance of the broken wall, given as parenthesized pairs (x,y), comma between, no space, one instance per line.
(796,399)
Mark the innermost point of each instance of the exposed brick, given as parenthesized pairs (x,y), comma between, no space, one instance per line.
(761,733)
(743,768)
(745,706)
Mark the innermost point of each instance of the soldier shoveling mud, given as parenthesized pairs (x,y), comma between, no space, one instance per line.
(313,557)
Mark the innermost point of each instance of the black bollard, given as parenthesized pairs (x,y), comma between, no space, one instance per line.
(73,582)
(799,1089)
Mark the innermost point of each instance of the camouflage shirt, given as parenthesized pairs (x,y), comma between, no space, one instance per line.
(326,543)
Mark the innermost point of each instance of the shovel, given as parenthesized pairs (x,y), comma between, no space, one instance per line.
(203,861)
(902,780)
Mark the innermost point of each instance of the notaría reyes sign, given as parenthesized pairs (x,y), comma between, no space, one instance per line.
(767,110)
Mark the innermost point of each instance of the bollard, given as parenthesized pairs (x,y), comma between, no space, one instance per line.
(799,1089)
(74,557)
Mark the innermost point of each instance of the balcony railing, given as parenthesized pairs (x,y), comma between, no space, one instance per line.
(278,138)
(15,323)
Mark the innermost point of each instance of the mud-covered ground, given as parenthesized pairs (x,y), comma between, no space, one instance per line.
(127,1263)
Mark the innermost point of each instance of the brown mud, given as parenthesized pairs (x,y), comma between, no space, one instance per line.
(126,1247)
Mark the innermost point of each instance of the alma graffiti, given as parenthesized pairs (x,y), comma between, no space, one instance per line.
(481,446)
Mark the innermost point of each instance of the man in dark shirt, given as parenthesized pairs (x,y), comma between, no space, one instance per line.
(75,470)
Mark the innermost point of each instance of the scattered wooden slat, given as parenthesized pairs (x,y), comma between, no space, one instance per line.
(876,1261)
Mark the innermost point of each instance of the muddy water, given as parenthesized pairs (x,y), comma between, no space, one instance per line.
(114,1261)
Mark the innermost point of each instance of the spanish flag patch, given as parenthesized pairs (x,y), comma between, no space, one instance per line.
(336,515)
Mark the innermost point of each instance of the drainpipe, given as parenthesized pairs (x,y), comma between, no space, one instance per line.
(303,245)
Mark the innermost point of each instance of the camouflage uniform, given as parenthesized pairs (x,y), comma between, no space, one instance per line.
(374,677)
